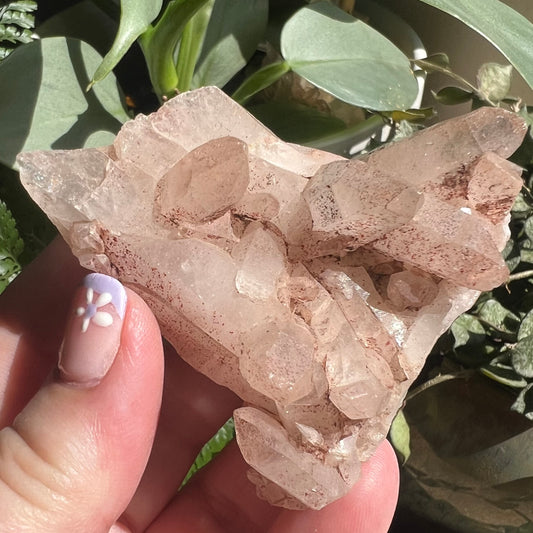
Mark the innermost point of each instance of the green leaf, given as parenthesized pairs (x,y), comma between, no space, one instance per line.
(506,29)
(296,123)
(526,256)
(44,104)
(526,327)
(13,34)
(467,329)
(214,446)
(259,80)
(136,16)
(20,18)
(24,6)
(494,314)
(191,45)
(434,63)
(11,247)
(522,357)
(521,205)
(400,436)
(503,374)
(348,58)
(233,33)
(34,227)
(511,253)
(524,402)
(528,228)
(159,44)
(452,96)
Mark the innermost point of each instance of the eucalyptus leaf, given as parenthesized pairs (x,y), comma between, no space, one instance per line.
(347,58)
(44,104)
(505,28)
(234,31)
(136,16)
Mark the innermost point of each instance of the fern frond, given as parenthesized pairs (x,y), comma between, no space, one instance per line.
(11,247)
(16,25)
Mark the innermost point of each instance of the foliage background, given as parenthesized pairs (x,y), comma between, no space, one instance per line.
(143,51)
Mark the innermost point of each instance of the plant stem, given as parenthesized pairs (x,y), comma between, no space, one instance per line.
(429,66)
(441,378)
(159,44)
(191,45)
(521,275)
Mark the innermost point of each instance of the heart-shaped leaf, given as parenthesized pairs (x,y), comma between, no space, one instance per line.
(347,58)
(44,104)
(522,357)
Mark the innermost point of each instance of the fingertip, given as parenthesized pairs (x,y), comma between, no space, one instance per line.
(98,433)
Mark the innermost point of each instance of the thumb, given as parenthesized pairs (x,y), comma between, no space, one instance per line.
(73,457)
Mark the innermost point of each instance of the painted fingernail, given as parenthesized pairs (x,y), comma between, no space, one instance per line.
(93,331)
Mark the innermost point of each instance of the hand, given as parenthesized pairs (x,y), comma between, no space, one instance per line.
(103,441)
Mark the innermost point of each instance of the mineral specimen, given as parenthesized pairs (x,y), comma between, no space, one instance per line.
(310,285)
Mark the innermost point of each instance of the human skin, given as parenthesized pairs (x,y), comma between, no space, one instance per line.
(110,455)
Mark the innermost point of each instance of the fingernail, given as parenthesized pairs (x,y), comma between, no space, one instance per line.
(93,331)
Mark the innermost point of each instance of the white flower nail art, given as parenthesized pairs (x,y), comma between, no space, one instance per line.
(100,318)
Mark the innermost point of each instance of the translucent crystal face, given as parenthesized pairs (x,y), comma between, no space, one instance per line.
(311,286)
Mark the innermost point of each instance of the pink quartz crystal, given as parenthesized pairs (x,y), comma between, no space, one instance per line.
(311,286)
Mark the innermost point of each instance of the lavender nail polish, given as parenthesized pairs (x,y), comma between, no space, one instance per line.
(94,329)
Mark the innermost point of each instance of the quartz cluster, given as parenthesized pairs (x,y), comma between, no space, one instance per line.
(310,285)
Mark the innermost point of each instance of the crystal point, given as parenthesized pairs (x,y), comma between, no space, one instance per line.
(311,286)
